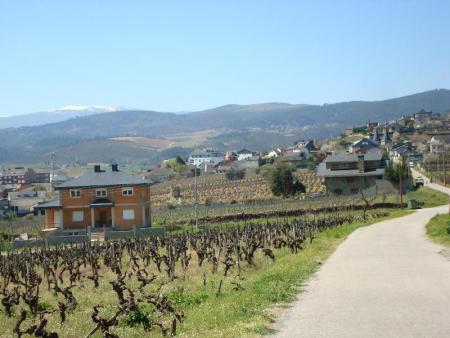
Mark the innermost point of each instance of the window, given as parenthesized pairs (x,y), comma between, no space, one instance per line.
(355,191)
(77,216)
(100,193)
(75,193)
(127,191)
(128,214)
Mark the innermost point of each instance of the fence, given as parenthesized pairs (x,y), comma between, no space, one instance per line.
(75,236)
(111,235)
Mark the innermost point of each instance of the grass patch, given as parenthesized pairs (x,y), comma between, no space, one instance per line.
(438,229)
(245,313)
(430,197)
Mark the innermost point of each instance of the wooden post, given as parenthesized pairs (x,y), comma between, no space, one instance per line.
(196,198)
(92,218)
(149,202)
(113,217)
(401,182)
(443,169)
(143,216)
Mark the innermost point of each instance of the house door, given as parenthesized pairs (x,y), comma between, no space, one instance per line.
(103,218)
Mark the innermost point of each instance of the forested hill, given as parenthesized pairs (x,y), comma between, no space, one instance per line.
(29,144)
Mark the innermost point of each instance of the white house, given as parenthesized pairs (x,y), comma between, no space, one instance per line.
(274,153)
(438,143)
(201,156)
(244,154)
(303,148)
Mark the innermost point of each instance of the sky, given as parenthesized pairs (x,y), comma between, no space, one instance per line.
(193,55)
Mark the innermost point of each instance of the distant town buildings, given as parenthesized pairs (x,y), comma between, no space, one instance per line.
(13,176)
(363,146)
(400,151)
(438,143)
(37,175)
(23,202)
(201,156)
(20,175)
(230,156)
(422,117)
(244,154)
(382,135)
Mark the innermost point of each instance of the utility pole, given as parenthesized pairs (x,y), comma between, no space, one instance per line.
(401,191)
(401,181)
(196,197)
(437,168)
(443,168)
(52,166)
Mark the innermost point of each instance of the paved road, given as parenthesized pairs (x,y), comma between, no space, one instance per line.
(429,184)
(385,280)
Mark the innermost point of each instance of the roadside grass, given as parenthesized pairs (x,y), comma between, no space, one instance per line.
(250,311)
(430,197)
(438,229)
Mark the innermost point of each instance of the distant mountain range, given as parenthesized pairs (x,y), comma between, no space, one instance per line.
(131,135)
(57,115)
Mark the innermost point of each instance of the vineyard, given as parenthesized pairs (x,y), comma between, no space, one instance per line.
(215,188)
(219,213)
(143,286)
(21,225)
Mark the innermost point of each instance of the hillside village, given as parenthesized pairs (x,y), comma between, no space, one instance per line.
(350,164)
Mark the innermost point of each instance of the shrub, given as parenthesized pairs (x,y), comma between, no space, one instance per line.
(138,317)
(176,192)
(39,187)
(177,165)
(234,174)
(283,183)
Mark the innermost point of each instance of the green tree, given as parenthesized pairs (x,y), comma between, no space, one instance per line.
(393,171)
(177,165)
(283,183)
(234,174)
(39,187)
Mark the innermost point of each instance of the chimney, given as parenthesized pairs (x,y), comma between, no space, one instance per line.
(115,167)
(361,163)
(97,168)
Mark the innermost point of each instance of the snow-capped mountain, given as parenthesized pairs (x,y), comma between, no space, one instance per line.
(56,115)
(82,108)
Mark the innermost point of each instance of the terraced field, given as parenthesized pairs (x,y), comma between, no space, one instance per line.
(215,188)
